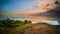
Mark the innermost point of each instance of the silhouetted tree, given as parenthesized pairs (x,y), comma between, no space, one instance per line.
(30,22)
(26,21)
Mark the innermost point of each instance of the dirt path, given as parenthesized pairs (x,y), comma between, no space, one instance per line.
(41,29)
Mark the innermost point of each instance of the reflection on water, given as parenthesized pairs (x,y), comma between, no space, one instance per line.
(34,19)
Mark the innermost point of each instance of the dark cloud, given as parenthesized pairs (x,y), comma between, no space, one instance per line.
(53,12)
(57,2)
(56,11)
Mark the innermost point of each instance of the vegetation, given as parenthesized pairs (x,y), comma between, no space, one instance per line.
(12,23)
(42,28)
(13,26)
(25,27)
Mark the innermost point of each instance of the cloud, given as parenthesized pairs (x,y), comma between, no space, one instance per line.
(40,7)
(40,18)
(55,13)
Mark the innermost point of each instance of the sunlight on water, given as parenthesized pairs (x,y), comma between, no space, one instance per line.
(51,22)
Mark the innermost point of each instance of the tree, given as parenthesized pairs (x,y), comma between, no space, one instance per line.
(30,22)
(26,21)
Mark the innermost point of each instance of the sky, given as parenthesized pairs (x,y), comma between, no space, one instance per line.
(16,5)
(26,6)
(34,10)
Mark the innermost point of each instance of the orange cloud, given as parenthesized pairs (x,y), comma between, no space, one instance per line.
(42,7)
(40,18)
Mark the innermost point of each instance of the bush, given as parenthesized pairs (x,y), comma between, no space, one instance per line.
(12,23)
(1,28)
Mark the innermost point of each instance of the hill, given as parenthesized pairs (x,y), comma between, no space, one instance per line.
(42,28)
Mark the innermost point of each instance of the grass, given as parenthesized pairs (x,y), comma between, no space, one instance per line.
(14,30)
(27,33)
(19,27)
